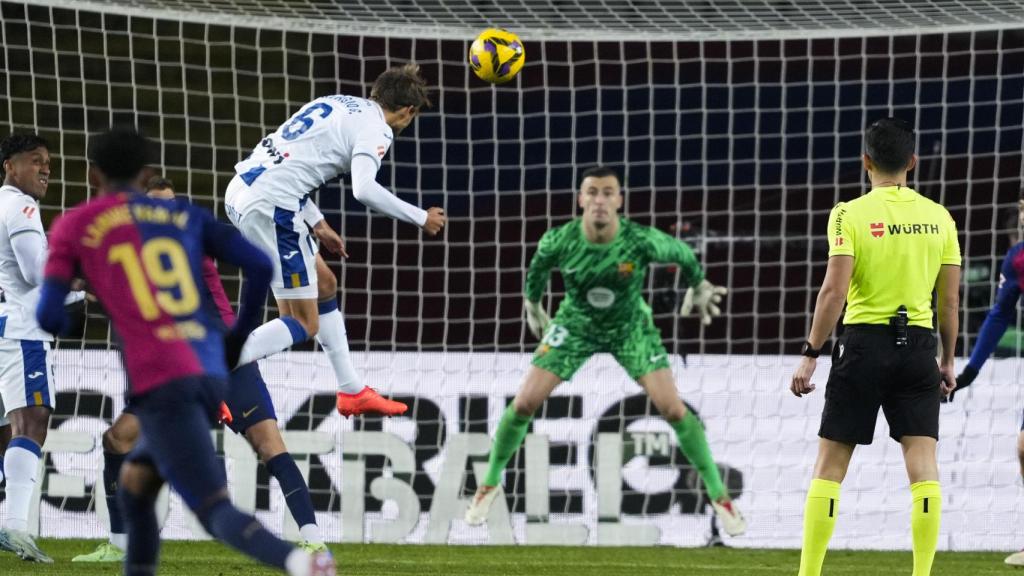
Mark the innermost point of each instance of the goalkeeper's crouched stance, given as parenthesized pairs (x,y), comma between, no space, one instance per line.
(603,259)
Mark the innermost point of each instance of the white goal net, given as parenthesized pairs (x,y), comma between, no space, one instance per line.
(736,125)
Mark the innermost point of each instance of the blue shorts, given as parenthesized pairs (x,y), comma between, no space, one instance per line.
(248,399)
(175,420)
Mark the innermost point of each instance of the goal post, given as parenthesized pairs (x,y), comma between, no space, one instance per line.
(736,125)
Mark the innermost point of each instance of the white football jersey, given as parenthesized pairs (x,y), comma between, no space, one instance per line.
(314,146)
(19,214)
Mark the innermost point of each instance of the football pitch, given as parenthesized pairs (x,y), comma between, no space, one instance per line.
(212,559)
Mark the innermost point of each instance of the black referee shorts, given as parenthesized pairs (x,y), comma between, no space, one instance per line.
(868,371)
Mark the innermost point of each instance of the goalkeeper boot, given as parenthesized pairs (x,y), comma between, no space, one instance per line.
(1015,559)
(729,516)
(476,514)
(105,552)
(367,401)
(22,544)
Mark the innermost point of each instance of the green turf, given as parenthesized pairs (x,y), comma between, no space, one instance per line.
(210,559)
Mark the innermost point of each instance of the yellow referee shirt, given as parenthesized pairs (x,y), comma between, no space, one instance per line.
(898,240)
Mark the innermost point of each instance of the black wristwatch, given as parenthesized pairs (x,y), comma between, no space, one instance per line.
(810,351)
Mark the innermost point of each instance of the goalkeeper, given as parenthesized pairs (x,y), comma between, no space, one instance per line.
(1004,311)
(603,259)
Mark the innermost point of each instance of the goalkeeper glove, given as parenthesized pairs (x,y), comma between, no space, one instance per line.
(705,298)
(536,318)
(963,380)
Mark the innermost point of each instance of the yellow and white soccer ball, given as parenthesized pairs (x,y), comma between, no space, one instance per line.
(497,55)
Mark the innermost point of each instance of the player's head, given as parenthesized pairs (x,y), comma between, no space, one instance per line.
(160,187)
(600,196)
(401,91)
(26,163)
(889,147)
(117,159)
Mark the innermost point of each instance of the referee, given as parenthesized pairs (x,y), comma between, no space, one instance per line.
(888,250)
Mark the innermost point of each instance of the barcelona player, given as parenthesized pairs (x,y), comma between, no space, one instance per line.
(603,259)
(249,411)
(142,256)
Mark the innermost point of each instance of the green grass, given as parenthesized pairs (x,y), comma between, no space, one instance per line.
(211,559)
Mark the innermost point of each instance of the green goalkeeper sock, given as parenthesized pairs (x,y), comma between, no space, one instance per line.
(694,445)
(819,521)
(511,431)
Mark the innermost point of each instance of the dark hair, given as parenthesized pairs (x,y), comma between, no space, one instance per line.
(159,183)
(399,87)
(889,143)
(599,172)
(18,143)
(119,153)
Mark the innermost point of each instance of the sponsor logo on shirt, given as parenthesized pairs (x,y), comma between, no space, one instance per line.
(626,269)
(600,297)
(896,229)
(290,255)
(380,151)
(878,229)
(839,241)
(35,375)
(28,211)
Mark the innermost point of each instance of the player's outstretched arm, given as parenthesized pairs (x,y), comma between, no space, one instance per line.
(366,189)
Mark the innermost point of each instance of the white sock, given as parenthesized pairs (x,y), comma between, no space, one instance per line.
(298,563)
(120,541)
(271,338)
(334,339)
(311,533)
(21,465)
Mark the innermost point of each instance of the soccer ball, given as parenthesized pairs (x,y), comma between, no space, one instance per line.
(496,55)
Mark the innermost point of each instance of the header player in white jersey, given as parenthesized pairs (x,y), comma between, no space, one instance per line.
(268,200)
(26,369)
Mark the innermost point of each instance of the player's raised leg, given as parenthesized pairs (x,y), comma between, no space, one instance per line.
(512,428)
(353,397)
(284,237)
(118,441)
(26,389)
(822,505)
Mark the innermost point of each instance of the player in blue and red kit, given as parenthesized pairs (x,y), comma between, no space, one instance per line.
(1003,312)
(142,257)
(249,411)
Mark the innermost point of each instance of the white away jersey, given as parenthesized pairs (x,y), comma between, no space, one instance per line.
(314,146)
(19,214)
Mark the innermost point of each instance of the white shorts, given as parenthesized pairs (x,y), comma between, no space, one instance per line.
(284,236)
(26,374)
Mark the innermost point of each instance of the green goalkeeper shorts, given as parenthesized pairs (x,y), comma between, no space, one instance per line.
(563,350)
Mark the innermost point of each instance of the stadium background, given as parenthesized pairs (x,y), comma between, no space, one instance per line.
(741,146)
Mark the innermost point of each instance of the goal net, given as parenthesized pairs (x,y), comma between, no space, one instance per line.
(736,125)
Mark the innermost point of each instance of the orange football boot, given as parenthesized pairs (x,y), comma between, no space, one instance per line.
(367,401)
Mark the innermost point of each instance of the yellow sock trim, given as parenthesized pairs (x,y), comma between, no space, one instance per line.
(925,518)
(820,515)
